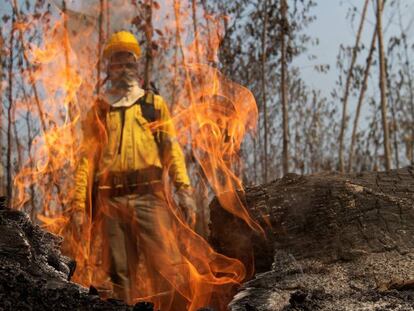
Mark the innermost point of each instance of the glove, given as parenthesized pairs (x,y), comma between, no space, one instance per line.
(78,218)
(187,204)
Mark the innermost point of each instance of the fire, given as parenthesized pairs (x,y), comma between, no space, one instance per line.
(211,114)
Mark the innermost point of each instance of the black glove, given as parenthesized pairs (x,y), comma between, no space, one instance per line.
(187,204)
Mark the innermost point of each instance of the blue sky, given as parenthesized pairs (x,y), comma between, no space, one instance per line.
(333,28)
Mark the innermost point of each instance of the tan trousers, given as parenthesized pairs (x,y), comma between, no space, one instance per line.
(141,227)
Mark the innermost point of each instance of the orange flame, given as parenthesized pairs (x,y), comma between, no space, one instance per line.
(212,115)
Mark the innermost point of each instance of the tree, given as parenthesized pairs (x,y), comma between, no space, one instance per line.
(9,167)
(383,88)
(361,99)
(347,86)
(284,29)
(263,84)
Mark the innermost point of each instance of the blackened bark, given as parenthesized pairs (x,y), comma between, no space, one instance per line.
(327,216)
(338,238)
(34,275)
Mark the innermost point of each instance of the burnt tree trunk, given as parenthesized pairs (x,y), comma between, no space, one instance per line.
(333,241)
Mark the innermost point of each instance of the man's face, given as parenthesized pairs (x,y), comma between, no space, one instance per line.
(122,69)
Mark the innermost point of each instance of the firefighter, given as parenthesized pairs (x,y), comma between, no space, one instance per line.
(129,141)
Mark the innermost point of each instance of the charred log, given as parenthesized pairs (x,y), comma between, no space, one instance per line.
(34,275)
(334,242)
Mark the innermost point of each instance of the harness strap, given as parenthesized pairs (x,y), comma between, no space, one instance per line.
(151,114)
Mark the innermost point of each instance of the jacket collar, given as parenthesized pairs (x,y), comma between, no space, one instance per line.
(125,98)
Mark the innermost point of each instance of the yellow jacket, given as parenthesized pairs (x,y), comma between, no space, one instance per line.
(121,140)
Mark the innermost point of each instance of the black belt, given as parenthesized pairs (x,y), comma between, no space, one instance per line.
(131,189)
(142,181)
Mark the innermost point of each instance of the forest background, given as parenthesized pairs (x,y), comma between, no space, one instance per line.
(333,80)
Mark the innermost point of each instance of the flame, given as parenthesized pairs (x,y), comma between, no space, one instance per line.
(212,115)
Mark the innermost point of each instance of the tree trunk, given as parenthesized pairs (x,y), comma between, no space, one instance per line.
(383,89)
(195,29)
(347,86)
(108,20)
(72,105)
(9,112)
(263,84)
(148,36)
(3,189)
(210,56)
(361,98)
(284,30)
(410,83)
(33,211)
(99,47)
(394,129)
(18,145)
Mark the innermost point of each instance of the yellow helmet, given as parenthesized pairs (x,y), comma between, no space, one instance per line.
(122,41)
